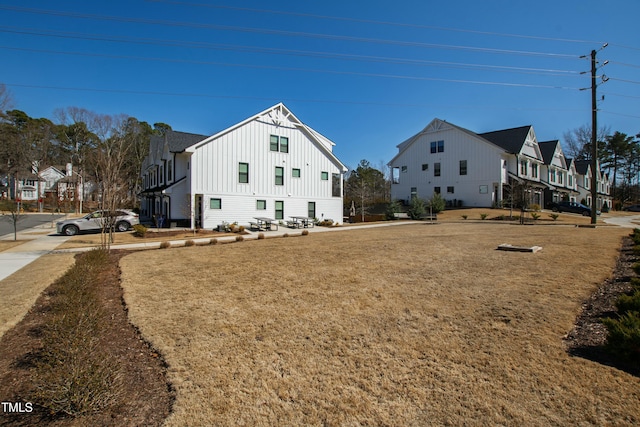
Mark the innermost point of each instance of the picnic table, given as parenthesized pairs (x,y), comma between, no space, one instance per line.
(263,223)
(300,222)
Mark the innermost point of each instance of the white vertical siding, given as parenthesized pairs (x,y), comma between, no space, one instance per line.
(484,168)
(216,163)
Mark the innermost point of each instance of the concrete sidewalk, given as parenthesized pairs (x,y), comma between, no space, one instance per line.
(39,241)
(253,235)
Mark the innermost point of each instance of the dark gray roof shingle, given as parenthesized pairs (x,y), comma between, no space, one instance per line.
(547,148)
(178,141)
(509,139)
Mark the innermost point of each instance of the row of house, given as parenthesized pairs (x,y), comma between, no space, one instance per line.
(54,183)
(486,169)
(273,165)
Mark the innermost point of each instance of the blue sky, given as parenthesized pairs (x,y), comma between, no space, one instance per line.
(367,75)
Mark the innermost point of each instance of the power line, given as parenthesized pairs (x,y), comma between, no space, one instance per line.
(284,33)
(619,114)
(625,81)
(369,21)
(320,101)
(350,73)
(624,64)
(254,49)
(621,95)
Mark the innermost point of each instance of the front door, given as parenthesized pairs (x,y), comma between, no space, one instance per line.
(198,211)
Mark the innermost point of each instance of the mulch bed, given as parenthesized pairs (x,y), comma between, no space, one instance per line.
(589,336)
(147,396)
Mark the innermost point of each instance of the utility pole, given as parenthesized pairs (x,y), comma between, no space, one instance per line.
(594,141)
(594,133)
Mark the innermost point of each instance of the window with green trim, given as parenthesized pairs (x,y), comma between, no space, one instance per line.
(324,176)
(243,173)
(284,144)
(215,203)
(261,205)
(273,143)
(279,175)
(295,172)
(279,212)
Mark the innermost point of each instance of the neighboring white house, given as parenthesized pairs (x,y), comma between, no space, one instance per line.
(559,172)
(583,168)
(482,170)
(269,165)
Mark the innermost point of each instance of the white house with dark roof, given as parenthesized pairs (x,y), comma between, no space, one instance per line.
(583,169)
(558,173)
(468,169)
(483,170)
(269,165)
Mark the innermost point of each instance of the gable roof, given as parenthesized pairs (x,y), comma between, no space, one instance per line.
(278,112)
(509,139)
(176,141)
(583,166)
(548,149)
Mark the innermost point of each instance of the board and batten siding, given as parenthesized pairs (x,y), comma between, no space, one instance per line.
(217,165)
(485,168)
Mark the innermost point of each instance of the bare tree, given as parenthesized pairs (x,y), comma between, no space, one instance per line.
(6,99)
(109,160)
(11,212)
(577,142)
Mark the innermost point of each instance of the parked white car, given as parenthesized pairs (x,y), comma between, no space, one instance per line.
(122,220)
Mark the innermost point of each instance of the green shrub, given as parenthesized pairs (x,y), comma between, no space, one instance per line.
(624,336)
(483,216)
(554,216)
(636,267)
(392,209)
(535,216)
(139,230)
(465,216)
(416,208)
(627,303)
(437,203)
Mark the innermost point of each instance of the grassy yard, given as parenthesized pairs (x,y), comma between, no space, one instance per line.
(409,325)
(20,290)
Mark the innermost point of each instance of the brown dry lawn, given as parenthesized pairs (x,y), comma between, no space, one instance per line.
(409,325)
(20,291)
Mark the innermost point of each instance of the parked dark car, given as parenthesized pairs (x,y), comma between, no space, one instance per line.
(632,208)
(572,207)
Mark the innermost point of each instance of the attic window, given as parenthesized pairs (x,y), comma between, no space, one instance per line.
(437,147)
(279,143)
